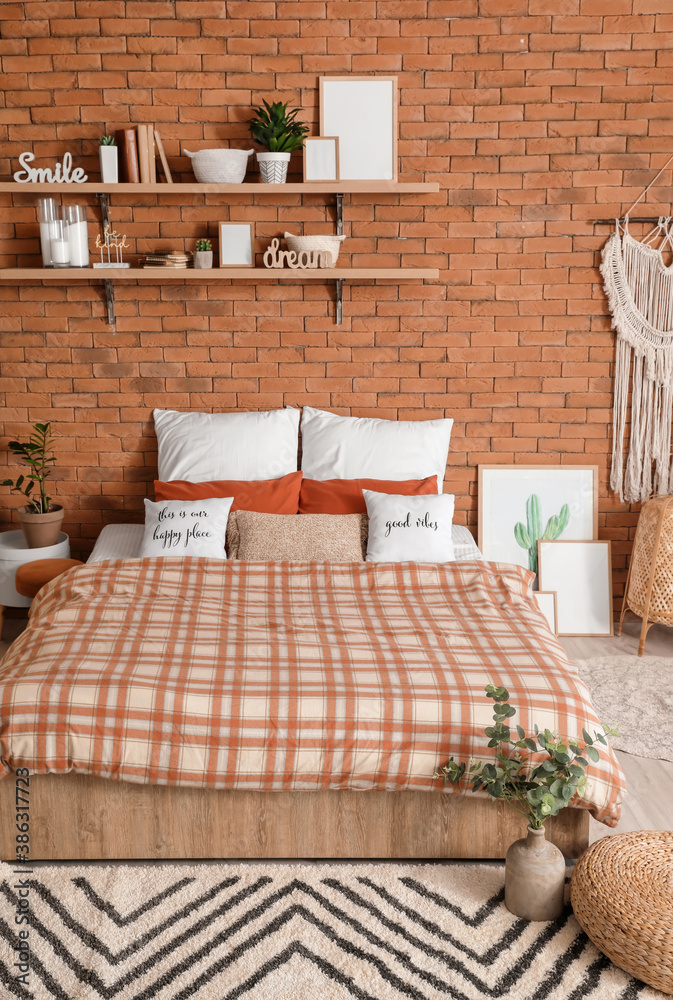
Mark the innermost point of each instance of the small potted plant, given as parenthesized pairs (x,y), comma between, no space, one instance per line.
(203,256)
(277,129)
(107,152)
(40,518)
(538,776)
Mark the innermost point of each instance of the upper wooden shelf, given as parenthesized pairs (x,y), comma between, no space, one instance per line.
(15,274)
(313,187)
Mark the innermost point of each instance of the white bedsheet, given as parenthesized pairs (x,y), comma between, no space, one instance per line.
(123,541)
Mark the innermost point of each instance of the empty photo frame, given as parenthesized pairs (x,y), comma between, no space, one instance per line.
(362,112)
(580,573)
(236,245)
(321,158)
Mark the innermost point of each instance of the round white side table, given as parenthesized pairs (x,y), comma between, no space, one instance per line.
(14,553)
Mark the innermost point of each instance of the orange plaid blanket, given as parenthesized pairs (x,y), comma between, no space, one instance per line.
(281,676)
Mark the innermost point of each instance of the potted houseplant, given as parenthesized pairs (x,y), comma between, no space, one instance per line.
(203,256)
(538,776)
(40,518)
(277,129)
(107,153)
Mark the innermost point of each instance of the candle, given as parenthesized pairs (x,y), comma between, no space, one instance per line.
(60,252)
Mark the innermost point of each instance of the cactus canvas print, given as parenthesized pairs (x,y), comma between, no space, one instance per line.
(520,505)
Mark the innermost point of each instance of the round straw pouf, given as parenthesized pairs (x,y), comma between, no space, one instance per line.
(622,895)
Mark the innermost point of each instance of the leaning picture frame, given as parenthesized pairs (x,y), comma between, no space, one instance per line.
(520,504)
(361,111)
(546,602)
(580,574)
(321,158)
(236,245)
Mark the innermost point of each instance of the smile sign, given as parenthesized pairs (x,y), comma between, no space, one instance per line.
(61,174)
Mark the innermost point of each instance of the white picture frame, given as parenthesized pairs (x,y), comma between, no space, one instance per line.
(361,111)
(321,158)
(236,245)
(504,492)
(580,573)
(546,602)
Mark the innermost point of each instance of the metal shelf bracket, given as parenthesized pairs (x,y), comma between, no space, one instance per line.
(339,207)
(110,299)
(104,199)
(339,300)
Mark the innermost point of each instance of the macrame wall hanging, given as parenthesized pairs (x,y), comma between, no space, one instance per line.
(639,288)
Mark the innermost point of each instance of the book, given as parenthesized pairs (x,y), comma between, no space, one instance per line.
(153,153)
(128,156)
(162,157)
(143,155)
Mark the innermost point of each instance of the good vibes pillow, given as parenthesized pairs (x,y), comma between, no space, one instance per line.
(409,528)
(186,528)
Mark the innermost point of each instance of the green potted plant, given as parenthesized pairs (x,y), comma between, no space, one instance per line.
(107,154)
(538,775)
(278,130)
(203,255)
(40,518)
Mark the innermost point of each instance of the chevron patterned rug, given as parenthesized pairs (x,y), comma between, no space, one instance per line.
(369,931)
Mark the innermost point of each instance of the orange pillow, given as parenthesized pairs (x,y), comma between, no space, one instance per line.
(266,496)
(344,496)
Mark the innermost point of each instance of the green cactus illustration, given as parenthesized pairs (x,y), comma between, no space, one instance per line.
(527,535)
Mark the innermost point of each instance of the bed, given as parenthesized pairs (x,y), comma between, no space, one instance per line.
(295,709)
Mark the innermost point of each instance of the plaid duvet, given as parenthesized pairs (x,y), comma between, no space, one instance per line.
(282,676)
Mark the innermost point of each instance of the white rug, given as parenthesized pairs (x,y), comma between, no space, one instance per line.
(635,695)
(291,932)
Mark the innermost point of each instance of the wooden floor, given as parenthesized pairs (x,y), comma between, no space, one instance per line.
(649,804)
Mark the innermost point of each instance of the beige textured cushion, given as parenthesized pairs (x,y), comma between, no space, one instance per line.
(297,537)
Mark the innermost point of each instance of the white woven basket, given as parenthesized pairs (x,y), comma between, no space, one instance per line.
(323,244)
(219,166)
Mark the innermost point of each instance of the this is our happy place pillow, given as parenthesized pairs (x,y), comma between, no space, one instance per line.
(409,528)
(186,528)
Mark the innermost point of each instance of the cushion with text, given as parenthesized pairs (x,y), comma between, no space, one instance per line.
(409,529)
(186,528)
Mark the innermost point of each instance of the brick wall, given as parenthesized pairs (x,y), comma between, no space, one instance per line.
(532,124)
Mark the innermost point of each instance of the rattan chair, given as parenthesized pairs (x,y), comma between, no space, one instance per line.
(622,896)
(649,585)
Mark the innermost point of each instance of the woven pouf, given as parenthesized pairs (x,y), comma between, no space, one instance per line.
(622,895)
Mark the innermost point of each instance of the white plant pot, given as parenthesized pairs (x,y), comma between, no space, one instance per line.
(273,167)
(108,164)
(203,259)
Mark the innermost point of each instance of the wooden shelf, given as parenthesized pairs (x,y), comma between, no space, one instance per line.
(315,187)
(16,274)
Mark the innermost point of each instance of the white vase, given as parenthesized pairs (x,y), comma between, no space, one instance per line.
(203,259)
(273,167)
(108,164)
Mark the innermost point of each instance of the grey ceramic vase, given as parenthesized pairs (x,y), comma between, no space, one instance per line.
(535,873)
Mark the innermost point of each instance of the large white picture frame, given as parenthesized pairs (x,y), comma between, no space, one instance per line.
(580,573)
(361,111)
(505,492)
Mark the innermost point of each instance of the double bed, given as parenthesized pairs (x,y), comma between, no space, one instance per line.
(282,704)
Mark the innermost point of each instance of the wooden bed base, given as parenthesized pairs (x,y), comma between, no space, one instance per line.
(78,817)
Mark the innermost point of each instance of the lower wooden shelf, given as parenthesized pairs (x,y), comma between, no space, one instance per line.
(16,274)
(108,275)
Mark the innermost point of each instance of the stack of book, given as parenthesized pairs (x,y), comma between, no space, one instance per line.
(137,155)
(173,259)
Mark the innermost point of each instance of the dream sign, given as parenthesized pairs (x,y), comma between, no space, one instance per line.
(61,174)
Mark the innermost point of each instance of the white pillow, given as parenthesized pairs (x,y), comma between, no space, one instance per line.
(203,447)
(335,447)
(409,529)
(186,527)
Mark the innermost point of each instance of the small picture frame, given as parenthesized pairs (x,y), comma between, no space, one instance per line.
(580,573)
(546,602)
(236,245)
(321,158)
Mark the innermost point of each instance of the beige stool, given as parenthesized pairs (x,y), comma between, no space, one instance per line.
(622,894)
(649,585)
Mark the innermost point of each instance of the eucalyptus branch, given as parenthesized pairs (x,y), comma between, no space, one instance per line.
(536,788)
